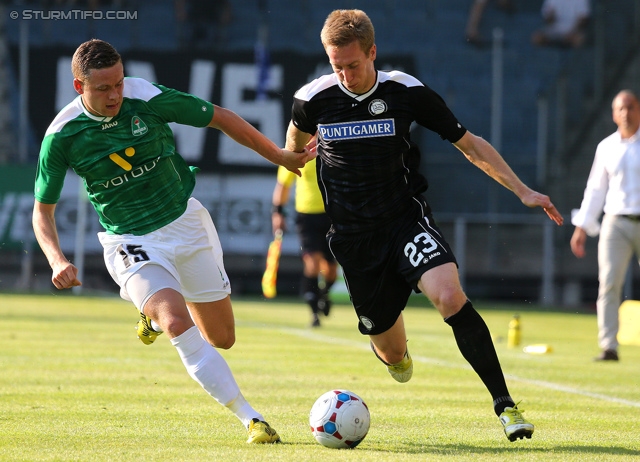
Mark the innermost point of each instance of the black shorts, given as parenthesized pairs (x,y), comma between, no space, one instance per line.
(381,268)
(312,230)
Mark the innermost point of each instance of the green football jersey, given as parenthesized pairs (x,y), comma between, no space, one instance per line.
(135,178)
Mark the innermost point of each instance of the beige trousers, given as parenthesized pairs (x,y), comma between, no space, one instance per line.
(619,240)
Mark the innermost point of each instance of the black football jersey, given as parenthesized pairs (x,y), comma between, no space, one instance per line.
(367,165)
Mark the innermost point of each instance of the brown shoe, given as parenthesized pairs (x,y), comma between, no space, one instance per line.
(607,355)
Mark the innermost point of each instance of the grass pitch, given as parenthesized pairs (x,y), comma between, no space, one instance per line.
(77,385)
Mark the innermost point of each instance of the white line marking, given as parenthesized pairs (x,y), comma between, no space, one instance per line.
(310,335)
(575,391)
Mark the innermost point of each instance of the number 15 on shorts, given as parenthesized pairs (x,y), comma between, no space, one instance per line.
(132,253)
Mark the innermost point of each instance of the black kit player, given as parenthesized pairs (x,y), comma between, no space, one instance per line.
(383,233)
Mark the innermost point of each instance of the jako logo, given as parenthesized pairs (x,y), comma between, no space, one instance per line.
(112,124)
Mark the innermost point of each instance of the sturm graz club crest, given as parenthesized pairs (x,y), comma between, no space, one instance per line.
(367,323)
(377,106)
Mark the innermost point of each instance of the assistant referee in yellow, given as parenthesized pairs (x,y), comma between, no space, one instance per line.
(312,224)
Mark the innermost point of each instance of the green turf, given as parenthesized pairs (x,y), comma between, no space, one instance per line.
(77,385)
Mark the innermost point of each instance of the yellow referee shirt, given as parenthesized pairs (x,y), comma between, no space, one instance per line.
(308,197)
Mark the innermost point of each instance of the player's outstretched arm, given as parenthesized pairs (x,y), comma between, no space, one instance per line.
(247,135)
(535,199)
(64,274)
(484,156)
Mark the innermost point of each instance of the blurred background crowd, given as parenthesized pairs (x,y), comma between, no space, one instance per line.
(535,77)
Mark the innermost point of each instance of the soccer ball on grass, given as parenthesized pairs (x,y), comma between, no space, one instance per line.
(339,419)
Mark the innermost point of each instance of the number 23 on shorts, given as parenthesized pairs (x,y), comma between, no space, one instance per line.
(420,250)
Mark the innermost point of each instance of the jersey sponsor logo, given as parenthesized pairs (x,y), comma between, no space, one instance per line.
(131,172)
(377,107)
(120,161)
(358,129)
(138,127)
(109,125)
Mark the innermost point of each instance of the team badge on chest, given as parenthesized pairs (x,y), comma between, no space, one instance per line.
(138,127)
(377,106)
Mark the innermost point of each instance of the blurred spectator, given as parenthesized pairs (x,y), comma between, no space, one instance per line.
(203,24)
(472,32)
(612,189)
(565,21)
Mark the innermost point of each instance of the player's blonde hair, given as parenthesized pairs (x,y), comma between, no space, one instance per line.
(342,27)
(93,54)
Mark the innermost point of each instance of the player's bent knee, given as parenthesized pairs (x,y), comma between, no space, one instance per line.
(226,344)
(175,325)
(450,302)
(224,341)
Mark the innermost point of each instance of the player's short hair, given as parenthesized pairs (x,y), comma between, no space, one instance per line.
(93,54)
(342,27)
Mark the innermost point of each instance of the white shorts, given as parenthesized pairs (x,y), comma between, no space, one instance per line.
(188,249)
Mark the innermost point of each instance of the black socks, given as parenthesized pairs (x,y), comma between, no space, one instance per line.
(311,292)
(474,341)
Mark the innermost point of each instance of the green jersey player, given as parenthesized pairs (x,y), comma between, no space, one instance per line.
(160,244)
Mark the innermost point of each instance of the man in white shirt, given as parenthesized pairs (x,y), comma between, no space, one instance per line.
(613,187)
(565,21)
